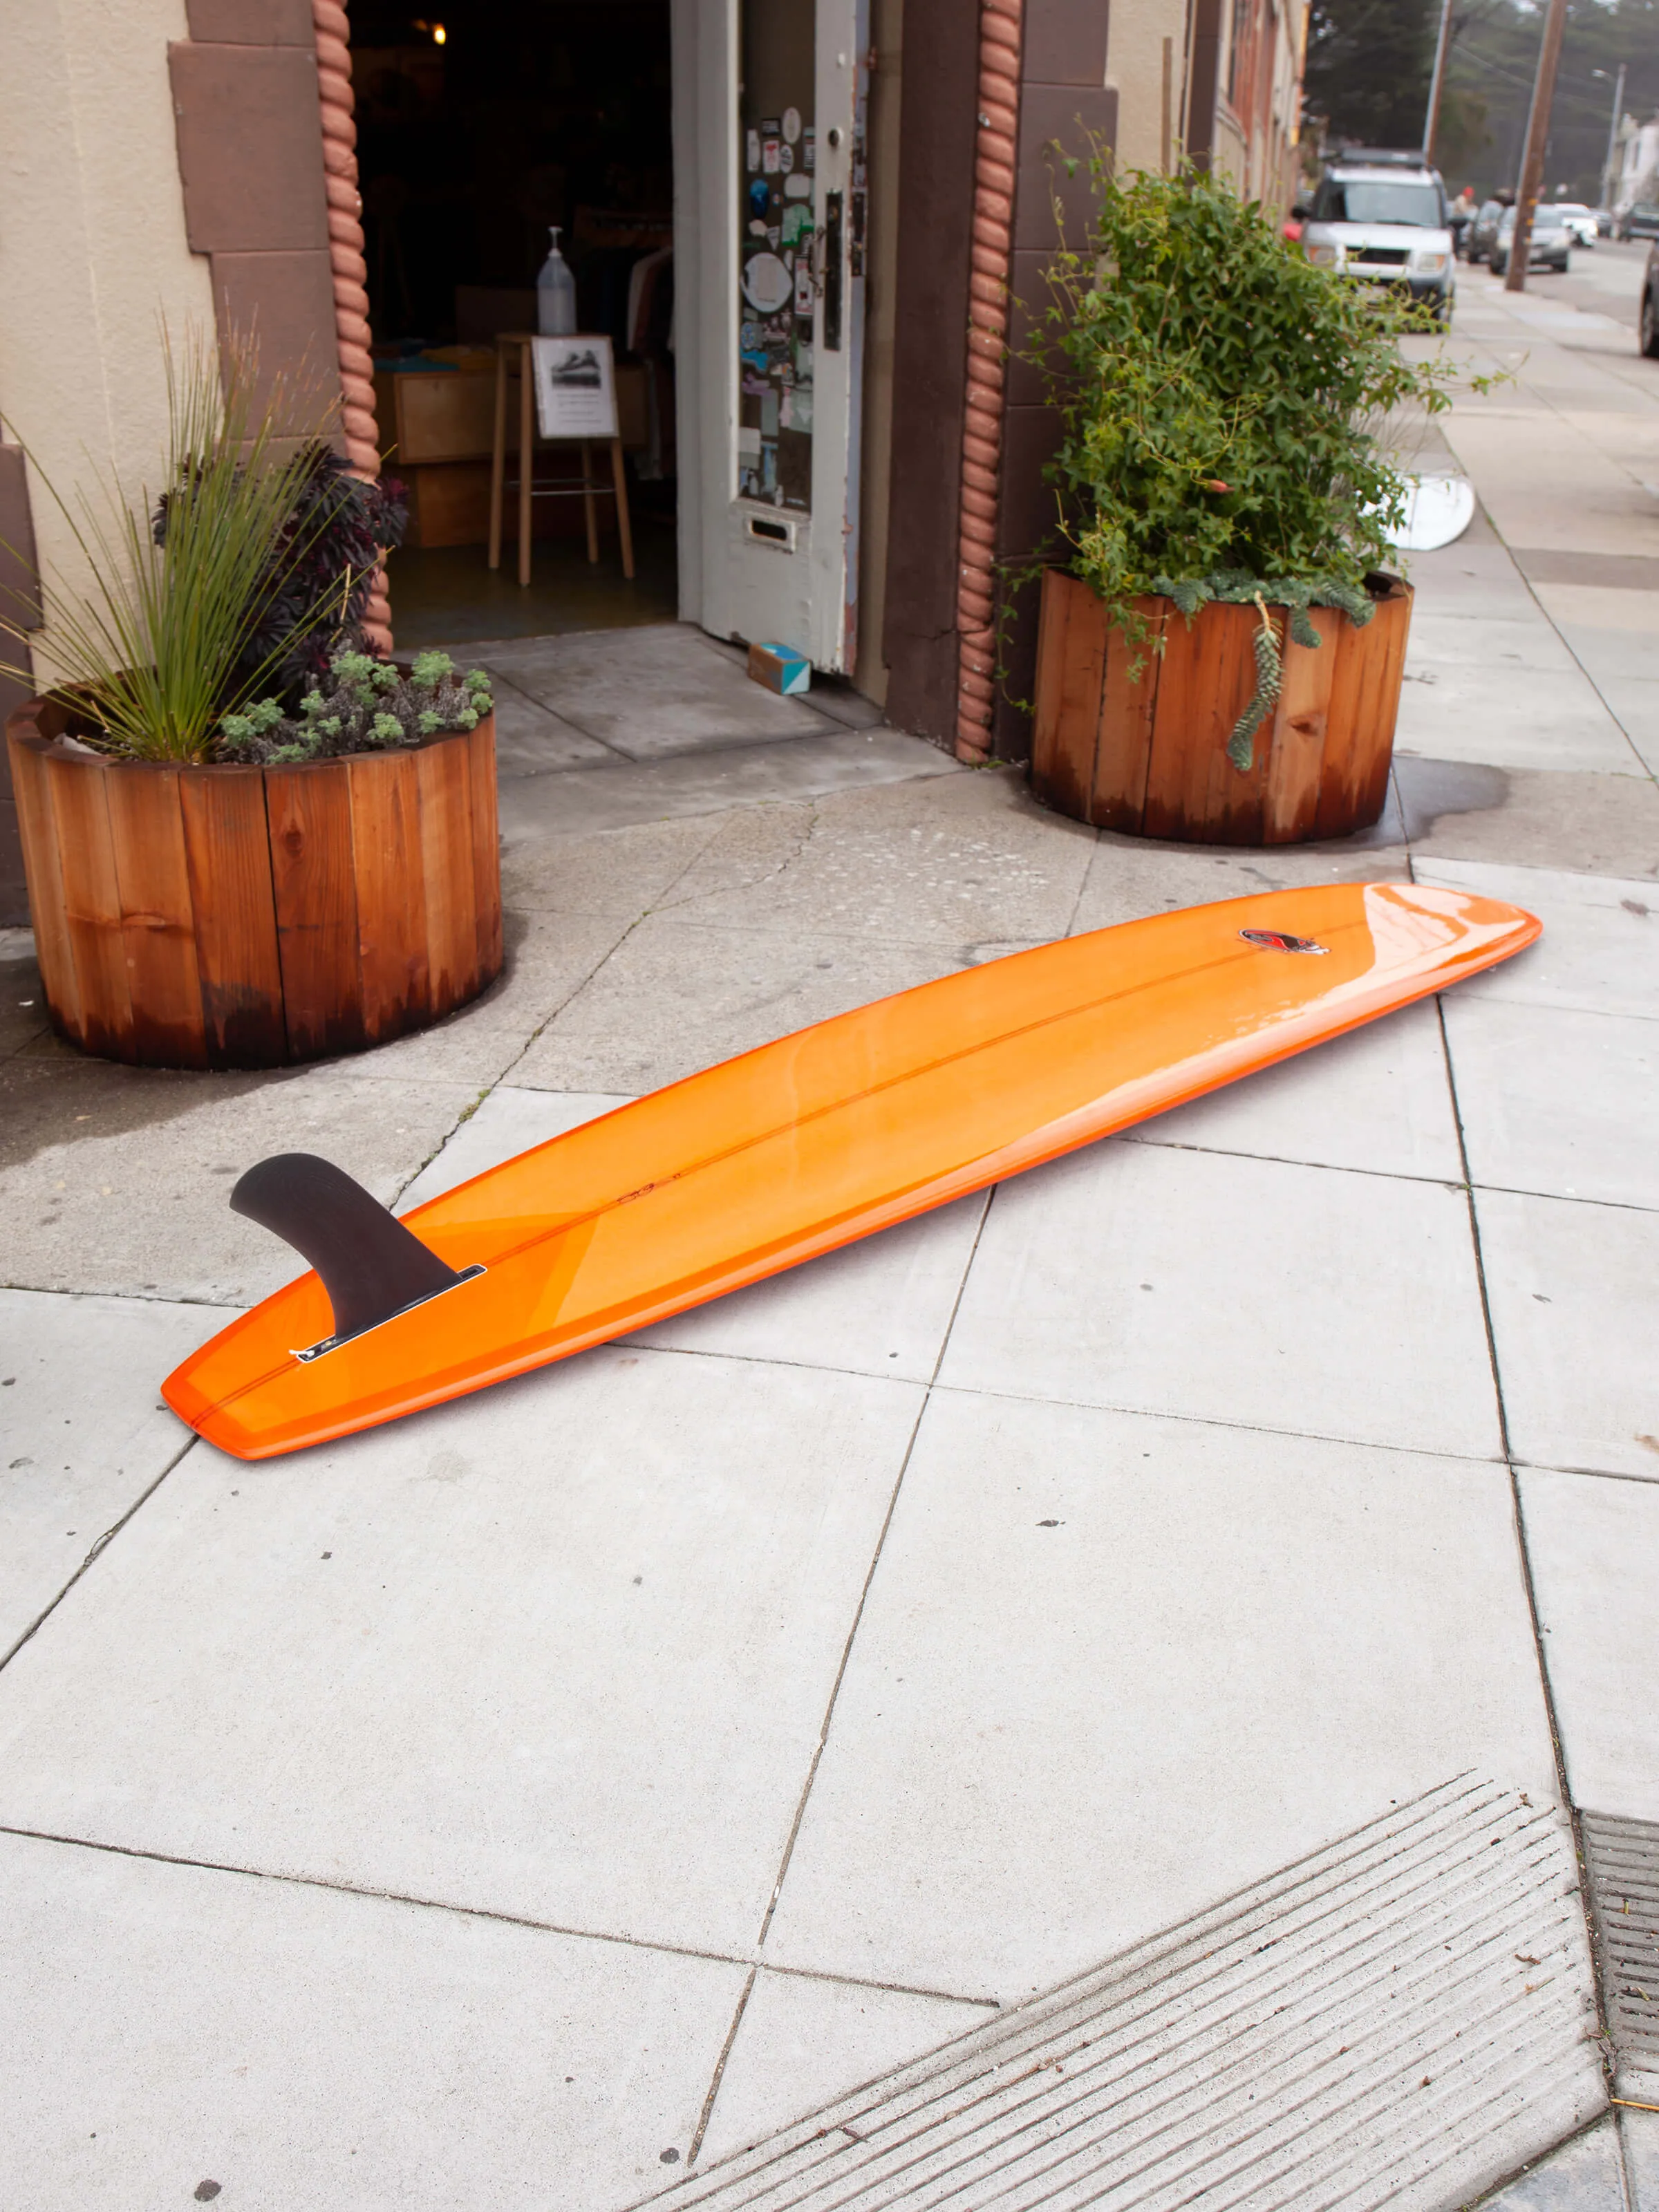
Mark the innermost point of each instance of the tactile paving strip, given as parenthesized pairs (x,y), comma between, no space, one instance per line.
(1401,2019)
(1624,1875)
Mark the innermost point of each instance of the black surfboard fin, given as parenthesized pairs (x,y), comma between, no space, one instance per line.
(370,1265)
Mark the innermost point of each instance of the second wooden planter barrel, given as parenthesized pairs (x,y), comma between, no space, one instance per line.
(1147,754)
(245,917)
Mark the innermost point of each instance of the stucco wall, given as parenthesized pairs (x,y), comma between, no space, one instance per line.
(92,246)
(1134,71)
(1229,155)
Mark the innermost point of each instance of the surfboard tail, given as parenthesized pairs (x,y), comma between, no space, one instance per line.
(371,1266)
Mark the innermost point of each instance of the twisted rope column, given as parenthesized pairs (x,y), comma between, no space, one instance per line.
(350,271)
(1000,23)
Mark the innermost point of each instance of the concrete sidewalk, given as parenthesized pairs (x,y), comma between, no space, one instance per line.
(535,1803)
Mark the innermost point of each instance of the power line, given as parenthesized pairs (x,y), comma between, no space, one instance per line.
(1481,61)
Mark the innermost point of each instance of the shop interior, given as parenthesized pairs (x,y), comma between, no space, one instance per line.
(479,127)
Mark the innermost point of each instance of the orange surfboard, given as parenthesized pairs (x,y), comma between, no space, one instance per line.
(833,1132)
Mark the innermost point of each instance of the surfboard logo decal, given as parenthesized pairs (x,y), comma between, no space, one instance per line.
(1280,940)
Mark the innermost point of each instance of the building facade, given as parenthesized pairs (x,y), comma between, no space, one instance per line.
(854,467)
(1638,174)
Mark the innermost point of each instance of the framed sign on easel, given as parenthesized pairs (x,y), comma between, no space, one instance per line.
(575,388)
(574,382)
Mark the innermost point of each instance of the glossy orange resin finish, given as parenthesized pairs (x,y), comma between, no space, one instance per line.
(836,1132)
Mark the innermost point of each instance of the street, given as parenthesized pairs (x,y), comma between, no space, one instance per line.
(1604,279)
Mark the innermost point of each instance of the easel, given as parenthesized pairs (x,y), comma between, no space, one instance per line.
(587,484)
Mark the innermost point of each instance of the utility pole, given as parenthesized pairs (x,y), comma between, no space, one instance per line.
(1613,132)
(1437,84)
(1538,131)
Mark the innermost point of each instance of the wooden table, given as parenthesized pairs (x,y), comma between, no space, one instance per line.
(587,484)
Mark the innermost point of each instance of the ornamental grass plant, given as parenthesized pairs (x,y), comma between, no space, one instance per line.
(313,592)
(1223,403)
(150,639)
(245,572)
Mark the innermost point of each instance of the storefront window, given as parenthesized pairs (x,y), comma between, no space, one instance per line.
(776,221)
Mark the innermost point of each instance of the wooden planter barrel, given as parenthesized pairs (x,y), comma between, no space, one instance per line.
(247,917)
(1148,755)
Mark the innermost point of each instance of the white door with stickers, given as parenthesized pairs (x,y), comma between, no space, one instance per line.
(771,211)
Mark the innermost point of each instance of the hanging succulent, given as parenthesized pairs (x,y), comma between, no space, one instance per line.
(1237,587)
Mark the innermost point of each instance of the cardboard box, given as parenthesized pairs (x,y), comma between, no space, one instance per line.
(435,415)
(449,504)
(779,668)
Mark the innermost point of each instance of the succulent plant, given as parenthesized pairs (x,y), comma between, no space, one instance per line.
(361,705)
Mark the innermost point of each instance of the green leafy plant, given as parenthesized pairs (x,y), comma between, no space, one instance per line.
(361,706)
(153,640)
(1221,402)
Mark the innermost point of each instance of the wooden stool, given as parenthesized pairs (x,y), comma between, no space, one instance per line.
(587,485)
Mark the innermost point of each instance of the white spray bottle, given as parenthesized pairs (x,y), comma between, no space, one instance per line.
(556,293)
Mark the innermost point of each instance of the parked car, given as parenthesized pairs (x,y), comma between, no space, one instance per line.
(1580,220)
(1377,157)
(1604,222)
(1648,324)
(1482,231)
(1384,223)
(1641,221)
(1550,246)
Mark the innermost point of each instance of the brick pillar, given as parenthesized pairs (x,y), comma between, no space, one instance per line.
(1064,100)
(938,145)
(250,162)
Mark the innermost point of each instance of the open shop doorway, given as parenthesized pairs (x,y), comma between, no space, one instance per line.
(481,125)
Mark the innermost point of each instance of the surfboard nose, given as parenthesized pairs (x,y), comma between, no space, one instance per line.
(369,1264)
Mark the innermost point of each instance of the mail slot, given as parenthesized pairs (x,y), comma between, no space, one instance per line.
(778,534)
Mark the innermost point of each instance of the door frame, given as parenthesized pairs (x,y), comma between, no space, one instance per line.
(705,429)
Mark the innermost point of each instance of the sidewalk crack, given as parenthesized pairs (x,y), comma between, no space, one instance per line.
(864,1594)
(102,1545)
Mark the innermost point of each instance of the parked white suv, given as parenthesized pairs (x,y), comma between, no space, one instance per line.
(1385,224)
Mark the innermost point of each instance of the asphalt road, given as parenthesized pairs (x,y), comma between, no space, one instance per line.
(1605,279)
